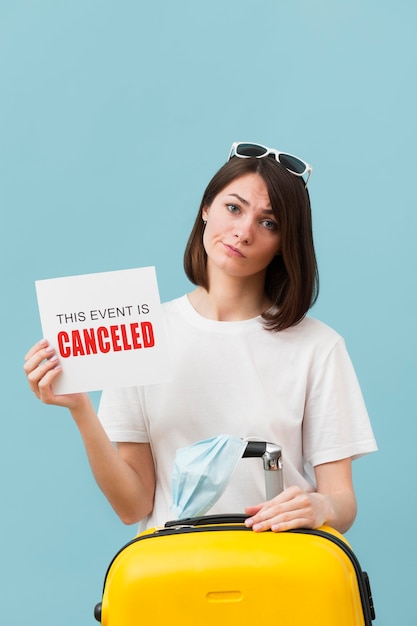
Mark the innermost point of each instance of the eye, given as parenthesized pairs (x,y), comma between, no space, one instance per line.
(270,225)
(232,208)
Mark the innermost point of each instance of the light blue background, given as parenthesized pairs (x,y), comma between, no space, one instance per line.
(114,115)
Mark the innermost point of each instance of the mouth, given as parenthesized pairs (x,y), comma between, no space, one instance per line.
(234,251)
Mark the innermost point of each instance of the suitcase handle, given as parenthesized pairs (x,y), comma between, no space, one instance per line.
(271,455)
(203,520)
(269,452)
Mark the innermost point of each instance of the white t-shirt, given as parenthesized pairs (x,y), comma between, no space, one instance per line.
(296,388)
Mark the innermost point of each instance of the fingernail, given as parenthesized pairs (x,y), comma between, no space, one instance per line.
(49,349)
(53,359)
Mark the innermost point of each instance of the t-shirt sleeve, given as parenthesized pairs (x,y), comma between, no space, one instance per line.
(336,423)
(122,416)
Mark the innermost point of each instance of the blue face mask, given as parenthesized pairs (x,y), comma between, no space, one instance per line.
(201,473)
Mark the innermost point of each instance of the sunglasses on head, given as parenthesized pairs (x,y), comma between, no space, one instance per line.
(292,163)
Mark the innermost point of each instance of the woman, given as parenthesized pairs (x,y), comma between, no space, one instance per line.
(247,362)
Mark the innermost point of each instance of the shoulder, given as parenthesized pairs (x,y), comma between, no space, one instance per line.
(175,304)
(313,330)
(314,337)
(313,327)
(175,309)
(177,314)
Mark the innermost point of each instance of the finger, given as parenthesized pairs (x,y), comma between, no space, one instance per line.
(290,524)
(36,358)
(297,504)
(252,510)
(45,390)
(38,346)
(38,371)
(285,521)
(264,507)
(259,514)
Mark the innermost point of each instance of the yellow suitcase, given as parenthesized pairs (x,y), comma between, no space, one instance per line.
(213,571)
(216,572)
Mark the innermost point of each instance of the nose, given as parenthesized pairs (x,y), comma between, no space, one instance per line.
(244,231)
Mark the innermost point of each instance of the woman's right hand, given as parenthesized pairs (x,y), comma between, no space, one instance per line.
(42,368)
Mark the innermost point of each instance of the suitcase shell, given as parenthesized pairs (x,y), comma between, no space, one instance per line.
(215,571)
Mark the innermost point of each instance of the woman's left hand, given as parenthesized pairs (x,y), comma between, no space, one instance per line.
(293,508)
(333,503)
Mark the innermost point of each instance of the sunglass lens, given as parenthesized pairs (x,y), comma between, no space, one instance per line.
(292,163)
(250,150)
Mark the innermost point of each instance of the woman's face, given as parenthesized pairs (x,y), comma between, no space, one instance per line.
(241,236)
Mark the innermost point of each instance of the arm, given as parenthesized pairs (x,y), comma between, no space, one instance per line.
(333,504)
(126,475)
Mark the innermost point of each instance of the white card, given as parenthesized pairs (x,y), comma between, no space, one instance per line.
(107,329)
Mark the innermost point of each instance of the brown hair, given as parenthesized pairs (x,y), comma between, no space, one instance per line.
(292,281)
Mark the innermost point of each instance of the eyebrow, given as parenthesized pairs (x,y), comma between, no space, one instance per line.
(245,202)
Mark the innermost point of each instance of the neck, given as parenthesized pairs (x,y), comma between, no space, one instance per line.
(229,300)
